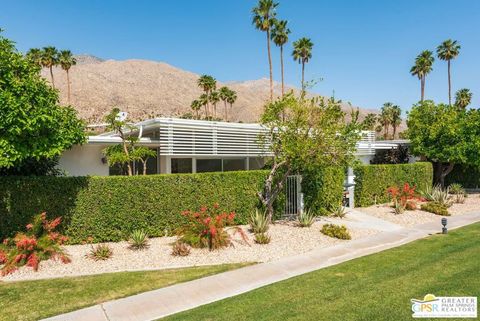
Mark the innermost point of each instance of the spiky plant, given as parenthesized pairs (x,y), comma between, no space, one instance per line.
(180,249)
(306,218)
(100,252)
(262,238)
(339,211)
(258,222)
(138,240)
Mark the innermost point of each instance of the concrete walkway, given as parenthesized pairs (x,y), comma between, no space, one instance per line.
(159,303)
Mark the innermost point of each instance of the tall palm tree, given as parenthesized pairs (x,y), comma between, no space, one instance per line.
(421,68)
(204,100)
(232,97)
(396,120)
(66,61)
(208,84)
(49,60)
(35,56)
(448,50)
(463,98)
(214,99)
(386,118)
(196,105)
(224,92)
(280,34)
(264,19)
(302,52)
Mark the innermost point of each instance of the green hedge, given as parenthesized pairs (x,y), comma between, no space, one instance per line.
(372,181)
(108,208)
(467,176)
(323,189)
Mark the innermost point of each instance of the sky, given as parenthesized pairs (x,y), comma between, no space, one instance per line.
(363,50)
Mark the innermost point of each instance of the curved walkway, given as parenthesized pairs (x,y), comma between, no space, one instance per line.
(159,303)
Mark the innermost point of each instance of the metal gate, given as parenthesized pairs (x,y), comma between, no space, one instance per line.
(293,195)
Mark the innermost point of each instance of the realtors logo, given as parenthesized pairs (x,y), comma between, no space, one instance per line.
(445,307)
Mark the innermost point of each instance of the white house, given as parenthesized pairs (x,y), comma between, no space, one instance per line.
(191,146)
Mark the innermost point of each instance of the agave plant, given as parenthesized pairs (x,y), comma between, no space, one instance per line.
(138,240)
(306,218)
(339,212)
(262,238)
(458,192)
(440,196)
(258,222)
(398,208)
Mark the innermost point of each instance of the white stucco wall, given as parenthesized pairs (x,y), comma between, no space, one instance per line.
(83,160)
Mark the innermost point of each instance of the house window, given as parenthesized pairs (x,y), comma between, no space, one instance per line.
(181,165)
(209,165)
(233,164)
(256,163)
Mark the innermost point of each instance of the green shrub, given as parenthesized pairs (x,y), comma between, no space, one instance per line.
(435,208)
(262,238)
(306,218)
(100,252)
(372,181)
(138,240)
(323,188)
(108,208)
(336,231)
(258,222)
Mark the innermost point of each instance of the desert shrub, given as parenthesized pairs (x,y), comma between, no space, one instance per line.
(258,222)
(336,231)
(398,208)
(40,242)
(458,192)
(411,205)
(100,252)
(440,196)
(179,248)
(435,208)
(339,211)
(402,198)
(306,218)
(323,188)
(208,228)
(138,240)
(372,181)
(262,238)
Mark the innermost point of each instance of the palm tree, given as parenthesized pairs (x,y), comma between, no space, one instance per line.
(447,51)
(67,60)
(196,105)
(204,99)
(422,67)
(302,51)
(395,115)
(386,118)
(369,122)
(35,56)
(232,97)
(463,98)
(208,84)
(264,19)
(280,34)
(224,92)
(214,99)
(49,60)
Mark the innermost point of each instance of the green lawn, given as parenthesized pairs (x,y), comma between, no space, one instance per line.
(32,300)
(375,287)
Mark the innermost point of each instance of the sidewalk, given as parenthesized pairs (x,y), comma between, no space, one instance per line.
(159,303)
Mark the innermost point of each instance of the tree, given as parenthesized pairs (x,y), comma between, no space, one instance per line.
(369,122)
(49,60)
(224,92)
(264,19)
(142,154)
(120,127)
(196,105)
(421,68)
(396,118)
(386,118)
(204,99)
(33,126)
(447,51)
(280,34)
(444,135)
(312,134)
(35,56)
(302,52)
(231,97)
(214,99)
(207,84)
(66,61)
(463,98)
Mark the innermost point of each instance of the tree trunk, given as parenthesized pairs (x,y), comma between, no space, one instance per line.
(270,64)
(394,126)
(125,150)
(303,76)
(270,192)
(281,67)
(68,86)
(449,86)
(231,107)
(196,112)
(441,170)
(226,112)
(144,162)
(51,75)
(422,86)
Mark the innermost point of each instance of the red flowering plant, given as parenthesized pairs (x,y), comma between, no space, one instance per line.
(404,197)
(40,242)
(208,227)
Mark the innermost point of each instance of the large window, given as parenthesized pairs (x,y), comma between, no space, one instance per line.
(233,164)
(181,165)
(209,165)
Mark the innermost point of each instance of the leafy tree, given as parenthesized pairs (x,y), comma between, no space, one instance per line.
(32,124)
(66,61)
(312,134)
(264,19)
(49,60)
(463,98)
(280,34)
(445,135)
(302,51)
(447,51)
(421,68)
(207,84)
(142,154)
(35,56)
(369,122)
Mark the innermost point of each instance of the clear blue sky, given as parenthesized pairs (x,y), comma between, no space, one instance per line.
(363,49)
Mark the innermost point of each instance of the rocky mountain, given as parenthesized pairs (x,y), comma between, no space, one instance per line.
(147,89)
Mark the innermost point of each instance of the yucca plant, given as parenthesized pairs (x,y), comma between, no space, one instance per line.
(100,252)
(262,238)
(458,192)
(398,208)
(440,196)
(306,218)
(339,211)
(138,240)
(258,222)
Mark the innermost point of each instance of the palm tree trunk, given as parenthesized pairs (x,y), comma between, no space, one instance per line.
(226,114)
(196,112)
(303,76)
(422,86)
(270,64)
(144,162)
(281,66)
(68,86)
(449,86)
(51,75)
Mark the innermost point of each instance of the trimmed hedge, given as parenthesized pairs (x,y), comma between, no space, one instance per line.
(372,181)
(323,189)
(108,208)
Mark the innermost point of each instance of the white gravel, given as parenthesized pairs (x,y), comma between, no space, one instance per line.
(286,240)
